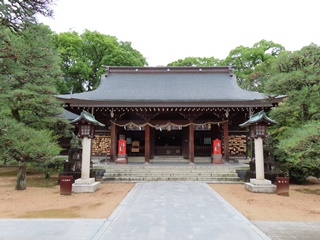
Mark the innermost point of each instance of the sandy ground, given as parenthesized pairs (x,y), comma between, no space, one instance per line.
(302,204)
(37,202)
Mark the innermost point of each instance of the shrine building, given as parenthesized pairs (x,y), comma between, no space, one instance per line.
(170,111)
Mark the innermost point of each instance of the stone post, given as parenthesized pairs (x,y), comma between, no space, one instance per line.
(86,155)
(85,183)
(259,184)
(258,143)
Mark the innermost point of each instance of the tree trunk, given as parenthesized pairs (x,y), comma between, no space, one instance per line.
(21,178)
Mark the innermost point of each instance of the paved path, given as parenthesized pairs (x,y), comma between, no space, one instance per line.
(161,210)
(177,210)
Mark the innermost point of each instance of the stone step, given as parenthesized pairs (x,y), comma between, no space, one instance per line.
(165,174)
(173,178)
(171,170)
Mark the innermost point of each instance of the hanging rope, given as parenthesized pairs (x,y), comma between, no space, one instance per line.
(164,126)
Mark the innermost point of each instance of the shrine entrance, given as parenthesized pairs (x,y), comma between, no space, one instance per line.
(168,143)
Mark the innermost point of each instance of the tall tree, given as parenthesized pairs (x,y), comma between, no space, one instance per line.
(296,74)
(251,64)
(297,134)
(29,73)
(83,56)
(15,13)
(196,61)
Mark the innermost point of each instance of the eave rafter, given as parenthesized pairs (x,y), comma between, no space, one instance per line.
(155,110)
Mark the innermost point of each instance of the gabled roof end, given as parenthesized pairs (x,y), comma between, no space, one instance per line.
(87,117)
(258,118)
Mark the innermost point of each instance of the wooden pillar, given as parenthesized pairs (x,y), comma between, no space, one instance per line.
(191,143)
(152,142)
(226,140)
(147,144)
(113,151)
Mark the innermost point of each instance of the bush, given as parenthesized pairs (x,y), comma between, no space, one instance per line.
(299,152)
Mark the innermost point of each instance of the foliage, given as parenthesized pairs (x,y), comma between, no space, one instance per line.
(296,74)
(299,151)
(24,144)
(196,61)
(14,14)
(52,166)
(252,64)
(297,134)
(29,72)
(84,55)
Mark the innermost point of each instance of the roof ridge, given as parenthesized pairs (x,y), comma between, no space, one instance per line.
(198,69)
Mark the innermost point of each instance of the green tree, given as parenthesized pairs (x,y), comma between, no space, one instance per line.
(296,135)
(29,73)
(84,55)
(24,144)
(14,14)
(296,74)
(252,64)
(299,151)
(196,61)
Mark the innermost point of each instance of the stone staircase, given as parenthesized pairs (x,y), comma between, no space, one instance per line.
(226,173)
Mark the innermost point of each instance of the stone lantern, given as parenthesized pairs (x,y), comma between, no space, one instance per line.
(258,124)
(86,124)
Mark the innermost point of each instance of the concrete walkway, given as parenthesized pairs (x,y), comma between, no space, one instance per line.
(156,211)
(177,210)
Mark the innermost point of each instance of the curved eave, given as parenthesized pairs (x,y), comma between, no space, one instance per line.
(230,103)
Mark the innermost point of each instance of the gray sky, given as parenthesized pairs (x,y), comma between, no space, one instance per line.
(165,31)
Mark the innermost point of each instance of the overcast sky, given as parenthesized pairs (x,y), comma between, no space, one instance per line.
(167,30)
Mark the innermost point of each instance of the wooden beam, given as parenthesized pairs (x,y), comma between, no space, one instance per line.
(191,143)
(147,144)
(226,140)
(113,150)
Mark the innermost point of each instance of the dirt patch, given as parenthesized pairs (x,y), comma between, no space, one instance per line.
(302,204)
(46,202)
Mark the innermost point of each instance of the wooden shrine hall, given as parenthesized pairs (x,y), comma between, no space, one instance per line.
(169,111)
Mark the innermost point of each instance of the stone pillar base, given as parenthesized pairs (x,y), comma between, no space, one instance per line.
(261,186)
(85,185)
(216,158)
(122,160)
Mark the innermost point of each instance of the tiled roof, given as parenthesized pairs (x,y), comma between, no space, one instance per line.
(167,85)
